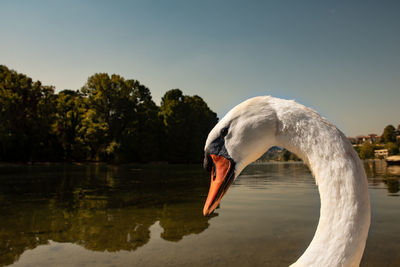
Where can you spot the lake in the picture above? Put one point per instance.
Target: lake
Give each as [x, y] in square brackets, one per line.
[151, 215]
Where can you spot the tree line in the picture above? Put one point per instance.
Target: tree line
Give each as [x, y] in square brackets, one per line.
[388, 140]
[110, 119]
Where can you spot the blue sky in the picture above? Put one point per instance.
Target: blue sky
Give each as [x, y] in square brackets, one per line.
[341, 58]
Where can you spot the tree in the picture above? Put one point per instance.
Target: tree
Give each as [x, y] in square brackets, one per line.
[110, 108]
[142, 137]
[200, 122]
[187, 121]
[174, 118]
[122, 122]
[70, 110]
[109, 119]
[111, 99]
[285, 155]
[388, 134]
[26, 116]
[392, 148]
[366, 151]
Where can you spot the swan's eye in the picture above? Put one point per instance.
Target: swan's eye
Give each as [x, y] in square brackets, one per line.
[224, 131]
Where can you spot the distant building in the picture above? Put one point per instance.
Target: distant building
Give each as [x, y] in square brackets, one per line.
[360, 139]
[381, 153]
[371, 138]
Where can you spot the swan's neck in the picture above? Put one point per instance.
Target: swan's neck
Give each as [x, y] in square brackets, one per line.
[345, 210]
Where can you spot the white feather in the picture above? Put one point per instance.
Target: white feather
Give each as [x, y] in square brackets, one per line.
[262, 122]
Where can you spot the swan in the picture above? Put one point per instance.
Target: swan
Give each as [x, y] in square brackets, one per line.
[252, 127]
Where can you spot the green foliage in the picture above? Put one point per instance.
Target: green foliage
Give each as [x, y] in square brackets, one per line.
[67, 125]
[288, 156]
[94, 134]
[109, 119]
[294, 157]
[95, 194]
[27, 110]
[392, 148]
[187, 121]
[122, 122]
[142, 134]
[388, 134]
[367, 151]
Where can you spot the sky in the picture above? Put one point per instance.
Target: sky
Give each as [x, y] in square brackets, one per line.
[342, 58]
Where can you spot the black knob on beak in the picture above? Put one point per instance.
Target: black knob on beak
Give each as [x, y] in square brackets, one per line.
[208, 162]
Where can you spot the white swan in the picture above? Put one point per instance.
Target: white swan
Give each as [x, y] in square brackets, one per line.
[252, 127]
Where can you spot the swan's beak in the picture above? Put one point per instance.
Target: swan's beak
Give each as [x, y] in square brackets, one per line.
[222, 176]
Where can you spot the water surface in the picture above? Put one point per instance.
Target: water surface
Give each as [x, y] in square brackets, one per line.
[151, 215]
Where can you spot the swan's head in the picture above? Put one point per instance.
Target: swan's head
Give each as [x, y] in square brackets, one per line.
[241, 137]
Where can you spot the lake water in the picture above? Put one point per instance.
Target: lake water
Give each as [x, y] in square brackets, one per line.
[151, 215]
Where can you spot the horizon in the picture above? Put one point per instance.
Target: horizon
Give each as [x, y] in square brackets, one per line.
[341, 59]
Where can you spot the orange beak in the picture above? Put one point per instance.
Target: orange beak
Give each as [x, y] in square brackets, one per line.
[221, 178]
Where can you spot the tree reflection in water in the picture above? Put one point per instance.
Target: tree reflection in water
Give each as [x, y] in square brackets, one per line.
[110, 208]
[392, 185]
[379, 172]
[102, 208]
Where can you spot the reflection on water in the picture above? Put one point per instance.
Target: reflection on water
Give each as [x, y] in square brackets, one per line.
[379, 168]
[379, 172]
[102, 208]
[101, 215]
[393, 170]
